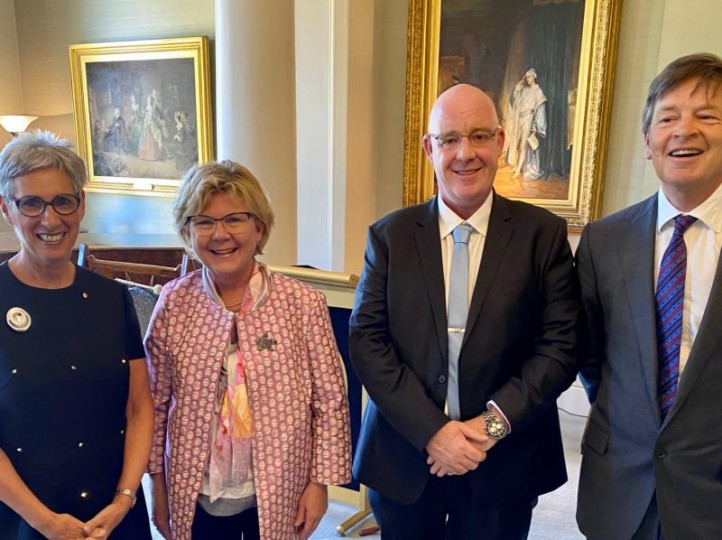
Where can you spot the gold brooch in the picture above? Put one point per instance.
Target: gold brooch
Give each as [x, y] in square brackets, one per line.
[265, 343]
[18, 319]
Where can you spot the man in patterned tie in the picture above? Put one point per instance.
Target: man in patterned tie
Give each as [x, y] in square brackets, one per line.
[463, 332]
[652, 294]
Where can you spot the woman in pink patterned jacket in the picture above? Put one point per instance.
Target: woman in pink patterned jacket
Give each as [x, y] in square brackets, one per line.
[251, 414]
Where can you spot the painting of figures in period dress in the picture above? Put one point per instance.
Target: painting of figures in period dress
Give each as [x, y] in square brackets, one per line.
[142, 112]
[143, 118]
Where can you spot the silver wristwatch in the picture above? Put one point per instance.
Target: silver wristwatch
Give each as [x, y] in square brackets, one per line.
[495, 428]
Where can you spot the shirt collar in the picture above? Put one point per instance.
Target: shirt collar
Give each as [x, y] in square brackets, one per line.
[709, 212]
[479, 220]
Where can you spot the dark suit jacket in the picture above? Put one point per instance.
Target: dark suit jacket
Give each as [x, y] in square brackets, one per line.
[518, 348]
[628, 451]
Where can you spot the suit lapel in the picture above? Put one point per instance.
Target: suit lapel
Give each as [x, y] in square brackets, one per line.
[636, 259]
[497, 240]
[705, 344]
[428, 252]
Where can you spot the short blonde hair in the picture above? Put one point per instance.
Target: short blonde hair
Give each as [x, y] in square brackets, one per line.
[201, 182]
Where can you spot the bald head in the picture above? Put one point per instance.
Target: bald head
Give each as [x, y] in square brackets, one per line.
[463, 144]
[461, 99]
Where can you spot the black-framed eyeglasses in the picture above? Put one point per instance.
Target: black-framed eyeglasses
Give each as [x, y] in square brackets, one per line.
[34, 206]
[233, 222]
[452, 139]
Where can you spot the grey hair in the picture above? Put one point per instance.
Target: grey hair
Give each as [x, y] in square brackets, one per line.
[706, 68]
[34, 150]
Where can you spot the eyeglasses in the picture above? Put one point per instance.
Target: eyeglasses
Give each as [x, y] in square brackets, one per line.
[205, 225]
[34, 206]
[478, 138]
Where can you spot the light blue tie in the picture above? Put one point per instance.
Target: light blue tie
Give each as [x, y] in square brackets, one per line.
[458, 311]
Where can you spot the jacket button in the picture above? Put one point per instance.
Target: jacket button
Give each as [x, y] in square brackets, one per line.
[660, 454]
[442, 379]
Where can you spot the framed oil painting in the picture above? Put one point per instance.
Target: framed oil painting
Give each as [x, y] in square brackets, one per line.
[142, 112]
[548, 67]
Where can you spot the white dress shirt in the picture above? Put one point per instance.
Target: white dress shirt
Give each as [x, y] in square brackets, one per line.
[703, 239]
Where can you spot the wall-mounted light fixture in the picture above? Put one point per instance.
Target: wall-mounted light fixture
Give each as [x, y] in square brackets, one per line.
[16, 123]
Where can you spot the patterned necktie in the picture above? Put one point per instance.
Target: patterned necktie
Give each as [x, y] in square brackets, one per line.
[670, 301]
[458, 311]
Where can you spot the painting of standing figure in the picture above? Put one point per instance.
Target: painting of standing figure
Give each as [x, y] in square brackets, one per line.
[546, 64]
[133, 94]
[525, 124]
[526, 54]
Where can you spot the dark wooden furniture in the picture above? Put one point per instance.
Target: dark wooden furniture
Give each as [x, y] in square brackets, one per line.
[118, 264]
[147, 249]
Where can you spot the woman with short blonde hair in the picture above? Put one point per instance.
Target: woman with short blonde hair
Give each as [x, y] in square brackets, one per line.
[251, 409]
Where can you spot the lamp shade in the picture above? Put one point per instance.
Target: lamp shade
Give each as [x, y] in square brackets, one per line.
[16, 123]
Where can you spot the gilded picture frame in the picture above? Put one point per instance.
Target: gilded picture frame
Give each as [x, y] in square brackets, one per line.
[483, 42]
[142, 112]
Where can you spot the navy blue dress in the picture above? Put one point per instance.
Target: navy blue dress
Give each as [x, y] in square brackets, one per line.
[63, 393]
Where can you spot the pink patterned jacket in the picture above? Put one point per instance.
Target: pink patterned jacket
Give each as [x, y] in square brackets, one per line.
[295, 385]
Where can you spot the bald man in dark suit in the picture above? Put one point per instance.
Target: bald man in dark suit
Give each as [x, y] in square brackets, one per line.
[460, 445]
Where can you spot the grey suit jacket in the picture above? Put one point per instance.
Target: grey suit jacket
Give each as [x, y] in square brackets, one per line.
[628, 451]
[518, 348]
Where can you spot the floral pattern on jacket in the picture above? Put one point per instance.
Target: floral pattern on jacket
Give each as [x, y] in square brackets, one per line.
[295, 384]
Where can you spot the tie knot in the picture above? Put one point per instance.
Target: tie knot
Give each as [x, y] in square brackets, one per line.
[681, 222]
[462, 233]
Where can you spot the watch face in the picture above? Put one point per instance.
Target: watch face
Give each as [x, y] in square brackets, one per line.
[496, 428]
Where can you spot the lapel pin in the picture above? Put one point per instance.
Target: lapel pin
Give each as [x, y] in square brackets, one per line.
[266, 343]
[18, 319]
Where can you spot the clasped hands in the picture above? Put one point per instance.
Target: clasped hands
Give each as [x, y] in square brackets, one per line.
[67, 527]
[458, 447]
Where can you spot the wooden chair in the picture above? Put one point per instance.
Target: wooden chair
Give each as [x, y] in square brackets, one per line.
[140, 273]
